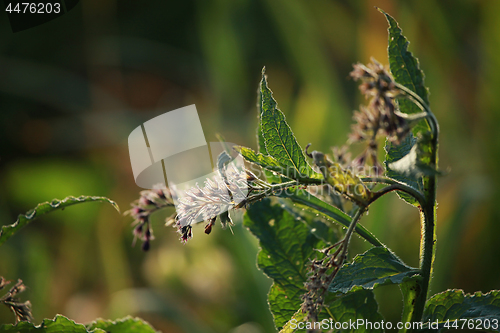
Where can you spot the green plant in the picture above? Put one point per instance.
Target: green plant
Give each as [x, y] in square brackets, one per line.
[304, 255]
[22, 310]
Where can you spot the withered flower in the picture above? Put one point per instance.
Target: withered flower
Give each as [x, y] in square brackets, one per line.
[22, 310]
[213, 200]
[321, 274]
[149, 202]
[380, 116]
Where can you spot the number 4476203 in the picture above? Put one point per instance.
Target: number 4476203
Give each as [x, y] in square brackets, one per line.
[472, 324]
[34, 8]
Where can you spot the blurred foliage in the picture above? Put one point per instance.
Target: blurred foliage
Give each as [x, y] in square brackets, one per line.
[72, 90]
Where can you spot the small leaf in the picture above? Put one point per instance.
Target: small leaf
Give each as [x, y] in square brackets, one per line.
[279, 139]
[63, 324]
[264, 161]
[406, 71]
[286, 247]
[351, 310]
[8, 231]
[261, 144]
[396, 153]
[58, 324]
[308, 200]
[454, 304]
[377, 266]
[125, 325]
[271, 177]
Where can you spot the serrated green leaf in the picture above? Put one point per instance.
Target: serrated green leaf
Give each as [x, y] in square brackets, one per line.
[286, 247]
[56, 325]
[344, 310]
[358, 305]
[279, 140]
[264, 161]
[8, 231]
[261, 144]
[306, 199]
[271, 177]
[406, 71]
[395, 153]
[62, 324]
[454, 304]
[401, 161]
[282, 306]
[328, 233]
[124, 325]
[377, 266]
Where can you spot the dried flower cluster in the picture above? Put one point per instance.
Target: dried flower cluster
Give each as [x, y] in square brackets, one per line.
[149, 202]
[227, 190]
[215, 199]
[322, 272]
[380, 117]
[22, 310]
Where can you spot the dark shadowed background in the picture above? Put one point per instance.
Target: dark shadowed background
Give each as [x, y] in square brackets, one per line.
[72, 90]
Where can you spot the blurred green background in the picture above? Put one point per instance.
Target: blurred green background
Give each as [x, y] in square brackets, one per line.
[71, 91]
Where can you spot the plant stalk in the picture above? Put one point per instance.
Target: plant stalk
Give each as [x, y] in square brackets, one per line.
[428, 211]
[428, 240]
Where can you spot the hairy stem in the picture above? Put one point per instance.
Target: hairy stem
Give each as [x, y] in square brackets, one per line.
[428, 210]
[428, 240]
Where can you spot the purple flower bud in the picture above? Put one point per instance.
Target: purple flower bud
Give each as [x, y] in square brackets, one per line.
[138, 230]
[144, 201]
[160, 193]
[137, 211]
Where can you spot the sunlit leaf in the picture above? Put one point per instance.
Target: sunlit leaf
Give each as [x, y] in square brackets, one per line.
[454, 304]
[308, 200]
[286, 246]
[58, 324]
[8, 231]
[377, 266]
[406, 71]
[264, 161]
[63, 324]
[279, 140]
[125, 325]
